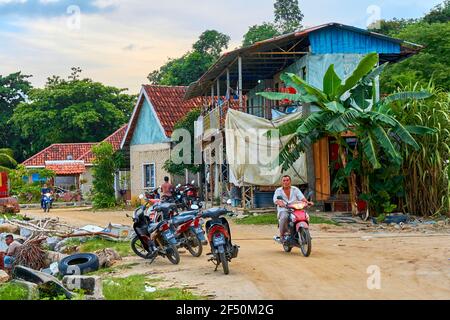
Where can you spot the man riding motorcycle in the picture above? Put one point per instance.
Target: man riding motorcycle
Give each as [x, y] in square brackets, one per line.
[290, 195]
[46, 190]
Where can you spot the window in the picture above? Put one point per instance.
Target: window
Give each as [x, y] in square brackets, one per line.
[149, 176]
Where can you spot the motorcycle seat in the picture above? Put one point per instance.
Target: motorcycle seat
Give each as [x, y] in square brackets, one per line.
[214, 212]
[154, 226]
[182, 219]
[189, 213]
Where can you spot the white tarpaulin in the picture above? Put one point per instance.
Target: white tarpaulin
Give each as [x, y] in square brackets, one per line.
[252, 155]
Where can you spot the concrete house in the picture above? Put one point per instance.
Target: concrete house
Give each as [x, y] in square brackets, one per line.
[148, 137]
[257, 68]
[73, 163]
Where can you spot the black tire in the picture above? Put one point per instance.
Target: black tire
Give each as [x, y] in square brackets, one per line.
[287, 248]
[304, 239]
[193, 244]
[138, 248]
[224, 261]
[173, 255]
[76, 264]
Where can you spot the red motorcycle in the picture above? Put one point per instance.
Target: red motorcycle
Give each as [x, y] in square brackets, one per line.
[189, 194]
[298, 226]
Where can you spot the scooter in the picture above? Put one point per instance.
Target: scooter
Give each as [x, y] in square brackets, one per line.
[153, 239]
[219, 237]
[47, 202]
[298, 226]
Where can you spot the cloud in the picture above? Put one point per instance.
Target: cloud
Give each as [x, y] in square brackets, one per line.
[53, 8]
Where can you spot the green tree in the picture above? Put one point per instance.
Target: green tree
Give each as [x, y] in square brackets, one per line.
[433, 62]
[440, 13]
[186, 123]
[288, 16]
[106, 164]
[192, 65]
[258, 33]
[211, 42]
[13, 91]
[390, 27]
[7, 161]
[377, 130]
[67, 111]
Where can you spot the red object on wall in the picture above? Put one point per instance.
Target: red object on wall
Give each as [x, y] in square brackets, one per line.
[3, 185]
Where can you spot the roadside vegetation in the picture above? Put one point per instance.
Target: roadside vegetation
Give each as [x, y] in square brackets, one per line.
[11, 291]
[95, 244]
[134, 288]
[271, 219]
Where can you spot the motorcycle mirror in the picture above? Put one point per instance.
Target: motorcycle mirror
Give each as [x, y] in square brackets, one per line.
[195, 207]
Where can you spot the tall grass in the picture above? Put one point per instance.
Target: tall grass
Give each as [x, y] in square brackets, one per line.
[426, 171]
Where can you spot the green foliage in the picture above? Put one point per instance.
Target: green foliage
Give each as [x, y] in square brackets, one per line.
[11, 291]
[439, 14]
[426, 169]
[7, 160]
[271, 219]
[390, 27]
[191, 66]
[288, 16]
[433, 62]
[211, 42]
[24, 190]
[94, 244]
[68, 111]
[258, 33]
[186, 123]
[106, 164]
[133, 288]
[13, 91]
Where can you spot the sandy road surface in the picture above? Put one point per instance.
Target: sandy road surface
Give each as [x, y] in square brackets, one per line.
[412, 266]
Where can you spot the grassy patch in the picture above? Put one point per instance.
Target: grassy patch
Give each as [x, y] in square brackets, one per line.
[271, 219]
[133, 288]
[11, 291]
[94, 244]
[11, 216]
[113, 269]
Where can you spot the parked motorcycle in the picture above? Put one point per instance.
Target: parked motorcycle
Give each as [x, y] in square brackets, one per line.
[219, 237]
[153, 239]
[47, 202]
[189, 193]
[298, 226]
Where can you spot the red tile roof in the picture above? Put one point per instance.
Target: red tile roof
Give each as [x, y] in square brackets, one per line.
[77, 151]
[58, 152]
[115, 139]
[66, 167]
[170, 105]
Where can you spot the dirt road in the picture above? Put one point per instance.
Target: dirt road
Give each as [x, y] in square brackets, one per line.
[412, 266]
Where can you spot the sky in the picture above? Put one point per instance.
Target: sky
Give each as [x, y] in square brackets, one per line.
[118, 42]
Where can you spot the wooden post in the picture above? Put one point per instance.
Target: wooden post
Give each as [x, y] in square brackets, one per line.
[228, 87]
[218, 95]
[241, 106]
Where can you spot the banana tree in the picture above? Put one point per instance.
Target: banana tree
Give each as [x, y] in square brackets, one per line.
[7, 161]
[350, 105]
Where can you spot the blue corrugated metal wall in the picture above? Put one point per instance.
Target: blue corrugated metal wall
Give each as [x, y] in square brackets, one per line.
[336, 40]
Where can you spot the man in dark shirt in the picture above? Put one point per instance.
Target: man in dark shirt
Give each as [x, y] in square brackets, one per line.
[45, 189]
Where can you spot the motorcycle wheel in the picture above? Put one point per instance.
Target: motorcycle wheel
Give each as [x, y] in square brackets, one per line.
[193, 244]
[304, 239]
[224, 261]
[138, 248]
[173, 255]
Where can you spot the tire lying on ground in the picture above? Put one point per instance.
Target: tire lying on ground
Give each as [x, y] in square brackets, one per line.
[78, 264]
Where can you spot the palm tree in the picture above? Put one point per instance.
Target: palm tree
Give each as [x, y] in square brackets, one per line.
[348, 106]
[7, 161]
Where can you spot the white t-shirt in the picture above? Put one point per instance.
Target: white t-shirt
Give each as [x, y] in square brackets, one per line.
[296, 195]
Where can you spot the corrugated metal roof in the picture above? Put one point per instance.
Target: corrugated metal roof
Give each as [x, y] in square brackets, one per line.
[264, 67]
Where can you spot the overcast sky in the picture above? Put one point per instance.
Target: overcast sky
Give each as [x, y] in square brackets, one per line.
[118, 42]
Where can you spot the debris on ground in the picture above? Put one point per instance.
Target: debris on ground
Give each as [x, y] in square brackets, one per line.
[31, 254]
[4, 277]
[107, 257]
